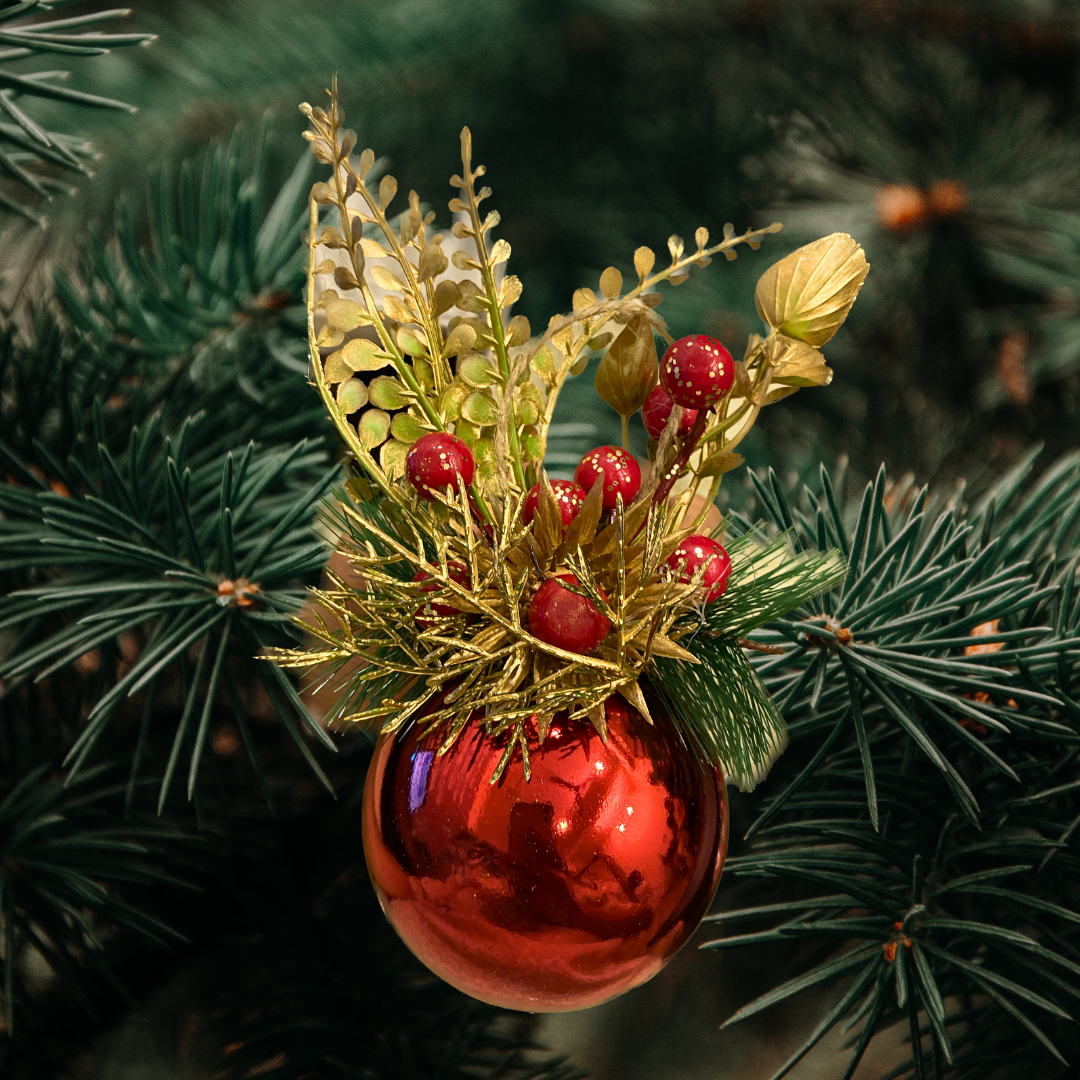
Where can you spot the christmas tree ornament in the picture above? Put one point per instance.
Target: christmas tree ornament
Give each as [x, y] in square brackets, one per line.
[657, 409]
[566, 619]
[438, 462]
[569, 496]
[705, 557]
[697, 372]
[557, 673]
[556, 891]
[616, 469]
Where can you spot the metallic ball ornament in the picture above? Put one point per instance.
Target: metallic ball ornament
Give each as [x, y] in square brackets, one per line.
[697, 371]
[434, 463]
[564, 619]
[620, 473]
[555, 893]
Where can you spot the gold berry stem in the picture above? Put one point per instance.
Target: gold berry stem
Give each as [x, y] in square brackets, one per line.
[625, 431]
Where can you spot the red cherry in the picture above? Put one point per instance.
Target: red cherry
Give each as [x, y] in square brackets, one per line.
[435, 461]
[564, 619]
[697, 372]
[657, 409]
[429, 610]
[621, 473]
[696, 551]
[569, 496]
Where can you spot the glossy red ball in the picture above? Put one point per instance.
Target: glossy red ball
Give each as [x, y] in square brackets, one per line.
[697, 551]
[657, 409]
[430, 609]
[569, 496]
[564, 619]
[435, 461]
[555, 893]
[697, 372]
[620, 472]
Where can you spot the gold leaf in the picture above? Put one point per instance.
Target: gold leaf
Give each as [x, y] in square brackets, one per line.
[584, 298]
[373, 249]
[719, 463]
[544, 366]
[472, 297]
[432, 262]
[373, 427]
[446, 296]
[387, 279]
[479, 409]
[500, 252]
[701, 237]
[664, 646]
[461, 339]
[346, 315]
[795, 363]
[386, 392]
[387, 191]
[464, 261]
[344, 278]
[367, 159]
[547, 522]
[352, 395]
[509, 291]
[675, 246]
[321, 192]
[329, 338]
[363, 355]
[779, 394]
[412, 342]
[335, 369]
[406, 428]
[453, 397]
[392, 458]
[644, 258]
[742, 380]
[518, 331]
[628, 369]
[611, 282]
[808, 294]
[632, 693]
[395, 309]
[579, 366]
[678, 279]
[424, 372]
[477, 371]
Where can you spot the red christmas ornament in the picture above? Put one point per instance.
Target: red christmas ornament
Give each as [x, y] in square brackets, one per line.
[569, 496]
[564, 619]
[555, 893]
[621, 473]
[435, 461]
[697, 551]
[657, 409]
[697, 372]
[428, 611]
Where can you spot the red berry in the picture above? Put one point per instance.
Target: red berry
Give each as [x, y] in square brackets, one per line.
[564, 619]
[568, 496]
[692, 554]
[697, 372]
[621, 473]
[435, 461]
[428, 611]
[657, 409]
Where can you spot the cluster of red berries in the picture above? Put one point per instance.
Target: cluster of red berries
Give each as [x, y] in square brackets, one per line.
[695, 373]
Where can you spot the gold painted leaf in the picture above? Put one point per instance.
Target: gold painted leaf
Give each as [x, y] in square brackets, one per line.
[461, 339]
[795, 363]
[611, 282]
[509, 291]
[387, 191]
[480, 409]
[446, 296]
[352, 395]
[544, 366]
[432, 262]
[500, 252]
[472, 297]
[719, 463]
[367, 159]
[373, 427]
[628, 369]
[424, 372]
[386, 392]
[518, 331]
[477, 371]
[335, 369]
[363, 355]
[392, 458]
[530, 403]
[346, 315]
[411, 342]
[808, 294]
[644, 259]
[373, 249]
[387, 279]
[583, 298]
[329, 337]
[395, 309]
[453, 397]
[406, 428]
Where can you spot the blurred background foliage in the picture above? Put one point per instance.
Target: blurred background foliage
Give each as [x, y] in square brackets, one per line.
[164, 299]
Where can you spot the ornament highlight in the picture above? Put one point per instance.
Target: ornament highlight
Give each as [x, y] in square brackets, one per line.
[699, 551]
[564, 619]
[620, 472]
[697, 372]
[552, 893]
[657, 409]
[435, 461]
